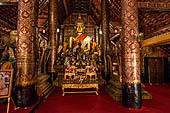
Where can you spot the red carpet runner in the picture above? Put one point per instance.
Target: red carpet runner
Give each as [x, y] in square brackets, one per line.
[90, 103]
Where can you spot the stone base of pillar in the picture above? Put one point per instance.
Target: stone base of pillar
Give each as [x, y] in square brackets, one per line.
[131, 95]
[25, 96]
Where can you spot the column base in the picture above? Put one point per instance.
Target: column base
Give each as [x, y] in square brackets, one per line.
[25, 96]
[131, 95]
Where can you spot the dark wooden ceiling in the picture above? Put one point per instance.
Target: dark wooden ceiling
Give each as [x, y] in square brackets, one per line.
[8, 14]
[154, 23]
[78, 6]
[8, 17]
[151, 22]
[166, 1]
[166, 47]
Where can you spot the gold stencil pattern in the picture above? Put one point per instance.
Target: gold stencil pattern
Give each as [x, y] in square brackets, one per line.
[26, 62]
[129, 44]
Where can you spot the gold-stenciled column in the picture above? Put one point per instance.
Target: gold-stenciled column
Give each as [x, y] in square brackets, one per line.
[26, 70]
[130, 55]
[52, 32]
[105, 33]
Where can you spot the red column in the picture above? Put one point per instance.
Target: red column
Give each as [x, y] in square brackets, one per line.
[130, 55]
[26, 54]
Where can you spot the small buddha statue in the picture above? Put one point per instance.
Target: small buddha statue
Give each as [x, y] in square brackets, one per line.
[93, 45]
[99, 54]
[5, 62]
[99, 51]
[78, 51]
[65, 46]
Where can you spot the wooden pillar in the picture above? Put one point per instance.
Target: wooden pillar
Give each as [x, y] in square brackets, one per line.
[97, 35]
[130, 55]
[26, 53]
[53, 19]
[100, 37]
[61, 35]
[105, 31]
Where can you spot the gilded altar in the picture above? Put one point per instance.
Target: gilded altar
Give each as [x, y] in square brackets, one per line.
[80, 78]
[80, 57]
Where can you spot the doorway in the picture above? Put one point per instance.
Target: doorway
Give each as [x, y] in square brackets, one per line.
[156, 70]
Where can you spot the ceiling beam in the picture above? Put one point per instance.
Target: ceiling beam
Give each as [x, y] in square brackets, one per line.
[9, 0]
[42, 16]
[157, 24]
[90, 5]
[8, 3]
[156, 40]
[161, 30]
[5, 24]
[65, 6]
[154, 6]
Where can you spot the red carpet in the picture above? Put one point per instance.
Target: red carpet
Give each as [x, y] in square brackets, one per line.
[76, 103]
[3, 108]
[90, 103]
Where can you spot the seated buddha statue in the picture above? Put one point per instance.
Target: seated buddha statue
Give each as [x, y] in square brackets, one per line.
[80, 36]
[5, 62]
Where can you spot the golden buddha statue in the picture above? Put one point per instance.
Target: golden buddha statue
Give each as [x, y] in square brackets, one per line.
[4, 60]
[100, 54]
[80, 36]
[65, 46]
[94, 45]
[99, 51]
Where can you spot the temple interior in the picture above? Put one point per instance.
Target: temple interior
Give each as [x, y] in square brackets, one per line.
[67, 49]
